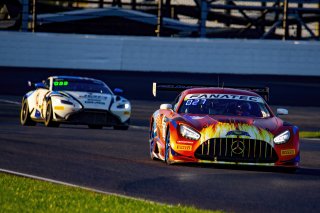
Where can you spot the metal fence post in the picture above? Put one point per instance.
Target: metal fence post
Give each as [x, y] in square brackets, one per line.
[318, 24]
[285, 19]
[203, 18]
[25, 15]
[34, 16]
[101, 2]
[160, 18]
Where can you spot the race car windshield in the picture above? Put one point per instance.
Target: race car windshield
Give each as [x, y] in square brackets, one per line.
[80, 85]
[229, 106]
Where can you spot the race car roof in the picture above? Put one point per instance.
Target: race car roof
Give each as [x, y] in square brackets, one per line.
[73, 77]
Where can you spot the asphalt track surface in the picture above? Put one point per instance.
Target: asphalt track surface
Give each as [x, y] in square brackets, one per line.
[118, 162]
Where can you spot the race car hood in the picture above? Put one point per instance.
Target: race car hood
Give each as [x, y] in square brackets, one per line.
[223, 126]
[91, 100]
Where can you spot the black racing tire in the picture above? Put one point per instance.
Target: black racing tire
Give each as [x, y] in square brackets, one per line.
[94, 126]
[48, 122]
[25, 118]
[126, 127]
[167, 149]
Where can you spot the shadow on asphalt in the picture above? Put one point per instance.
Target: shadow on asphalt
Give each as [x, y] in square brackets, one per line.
[308, 171]
[71, 126]
[283, 170]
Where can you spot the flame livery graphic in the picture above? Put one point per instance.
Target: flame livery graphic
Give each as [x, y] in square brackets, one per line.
[221, 130]
[223, 126]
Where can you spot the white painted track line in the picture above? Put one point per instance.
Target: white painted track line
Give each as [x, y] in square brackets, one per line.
[10, 102]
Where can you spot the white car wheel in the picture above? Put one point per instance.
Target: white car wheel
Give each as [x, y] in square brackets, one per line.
[49, 116]
[25, 119]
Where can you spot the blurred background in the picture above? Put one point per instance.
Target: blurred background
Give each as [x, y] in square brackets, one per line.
[133, 43]
[259, 19]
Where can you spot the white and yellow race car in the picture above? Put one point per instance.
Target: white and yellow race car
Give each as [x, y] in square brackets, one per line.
[75, 100]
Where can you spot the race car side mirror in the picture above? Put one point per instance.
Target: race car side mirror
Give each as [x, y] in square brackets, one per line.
[36, 85]
[281, 111]
[118, 90]
[165, 106]
[40, 85]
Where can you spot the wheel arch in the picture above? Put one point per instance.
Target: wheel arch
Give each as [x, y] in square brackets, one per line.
[151, 125]
[28, 99]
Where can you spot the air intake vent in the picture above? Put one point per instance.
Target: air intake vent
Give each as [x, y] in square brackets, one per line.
[236, 150]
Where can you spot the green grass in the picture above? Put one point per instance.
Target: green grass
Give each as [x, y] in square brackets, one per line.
[19, 194]
[304, 134]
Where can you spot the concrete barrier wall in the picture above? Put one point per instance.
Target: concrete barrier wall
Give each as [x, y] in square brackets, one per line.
[42, 50]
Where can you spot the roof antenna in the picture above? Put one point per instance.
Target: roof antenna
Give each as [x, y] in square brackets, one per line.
[222, 84]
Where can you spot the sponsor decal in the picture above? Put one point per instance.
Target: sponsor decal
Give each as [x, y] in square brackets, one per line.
[37, 114]
[238, 133]
[197, 117]
[184, 147]
[286, 152]
[94, 99]
[184, 142]
[59, 107]
[224, 96]
[91, 96]
[94, 102]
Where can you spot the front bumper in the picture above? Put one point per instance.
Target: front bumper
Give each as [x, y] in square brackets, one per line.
[235, 151]
[94, 117]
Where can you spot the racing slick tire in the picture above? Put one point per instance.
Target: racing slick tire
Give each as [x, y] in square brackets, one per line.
[25, 119]
[121, 127]
[48, 122]
[94, 126]
[167, 149]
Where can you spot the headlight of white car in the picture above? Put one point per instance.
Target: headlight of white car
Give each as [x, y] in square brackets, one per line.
[282, 138]
[124, 106]
[187, 132]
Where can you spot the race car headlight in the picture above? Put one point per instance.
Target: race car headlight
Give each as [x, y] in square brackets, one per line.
[187, 132]
[123, 106]
[282, 138]
[66, 102]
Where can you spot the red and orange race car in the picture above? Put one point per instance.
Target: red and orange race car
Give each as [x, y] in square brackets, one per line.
[223, 126]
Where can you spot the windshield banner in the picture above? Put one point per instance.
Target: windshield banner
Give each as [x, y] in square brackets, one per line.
[224, 96]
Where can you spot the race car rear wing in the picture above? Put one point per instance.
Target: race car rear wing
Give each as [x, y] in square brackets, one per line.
[262, 91]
